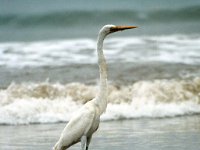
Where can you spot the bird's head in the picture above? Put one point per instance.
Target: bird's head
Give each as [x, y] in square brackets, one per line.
[107, 29]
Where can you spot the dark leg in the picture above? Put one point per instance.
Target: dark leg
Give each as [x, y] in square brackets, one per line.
[88, 142]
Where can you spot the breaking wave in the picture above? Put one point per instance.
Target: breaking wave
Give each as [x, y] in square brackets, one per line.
[54, 102]
[168, 49]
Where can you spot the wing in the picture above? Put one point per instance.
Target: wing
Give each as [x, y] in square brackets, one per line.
[78, 125]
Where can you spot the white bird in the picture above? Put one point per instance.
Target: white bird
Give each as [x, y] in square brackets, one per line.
[86, 121]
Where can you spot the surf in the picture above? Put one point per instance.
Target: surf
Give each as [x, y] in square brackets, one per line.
[31, 103]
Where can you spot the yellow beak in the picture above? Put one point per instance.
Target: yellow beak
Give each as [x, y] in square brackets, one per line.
[120, 28]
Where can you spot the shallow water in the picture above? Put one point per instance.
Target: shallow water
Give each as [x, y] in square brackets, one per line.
[179, 133]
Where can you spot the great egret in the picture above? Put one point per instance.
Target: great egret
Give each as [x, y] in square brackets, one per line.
[86, 121]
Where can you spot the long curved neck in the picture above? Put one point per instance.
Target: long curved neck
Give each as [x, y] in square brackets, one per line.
[101, 99]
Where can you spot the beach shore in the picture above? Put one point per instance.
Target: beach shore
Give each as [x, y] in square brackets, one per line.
[179, 133]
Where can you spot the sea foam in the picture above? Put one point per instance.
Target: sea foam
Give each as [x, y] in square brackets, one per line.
[167, 49]
[54, 102]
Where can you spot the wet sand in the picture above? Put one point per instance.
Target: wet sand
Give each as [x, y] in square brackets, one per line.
[179, 133]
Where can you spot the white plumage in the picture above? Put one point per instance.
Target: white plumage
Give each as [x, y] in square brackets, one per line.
[86, 121]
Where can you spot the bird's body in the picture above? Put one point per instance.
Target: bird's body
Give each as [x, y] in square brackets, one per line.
[86, 121]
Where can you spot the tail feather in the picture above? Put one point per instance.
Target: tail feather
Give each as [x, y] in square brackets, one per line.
[59, 147]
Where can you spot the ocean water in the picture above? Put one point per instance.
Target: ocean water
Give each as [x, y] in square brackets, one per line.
[48, 70]
[45, 20]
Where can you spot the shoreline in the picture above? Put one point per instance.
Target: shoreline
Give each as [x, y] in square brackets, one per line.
[142, 134]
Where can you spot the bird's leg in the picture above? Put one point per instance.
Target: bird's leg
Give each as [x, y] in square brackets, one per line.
[88, 142]
[86, 147]
[83, 142]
